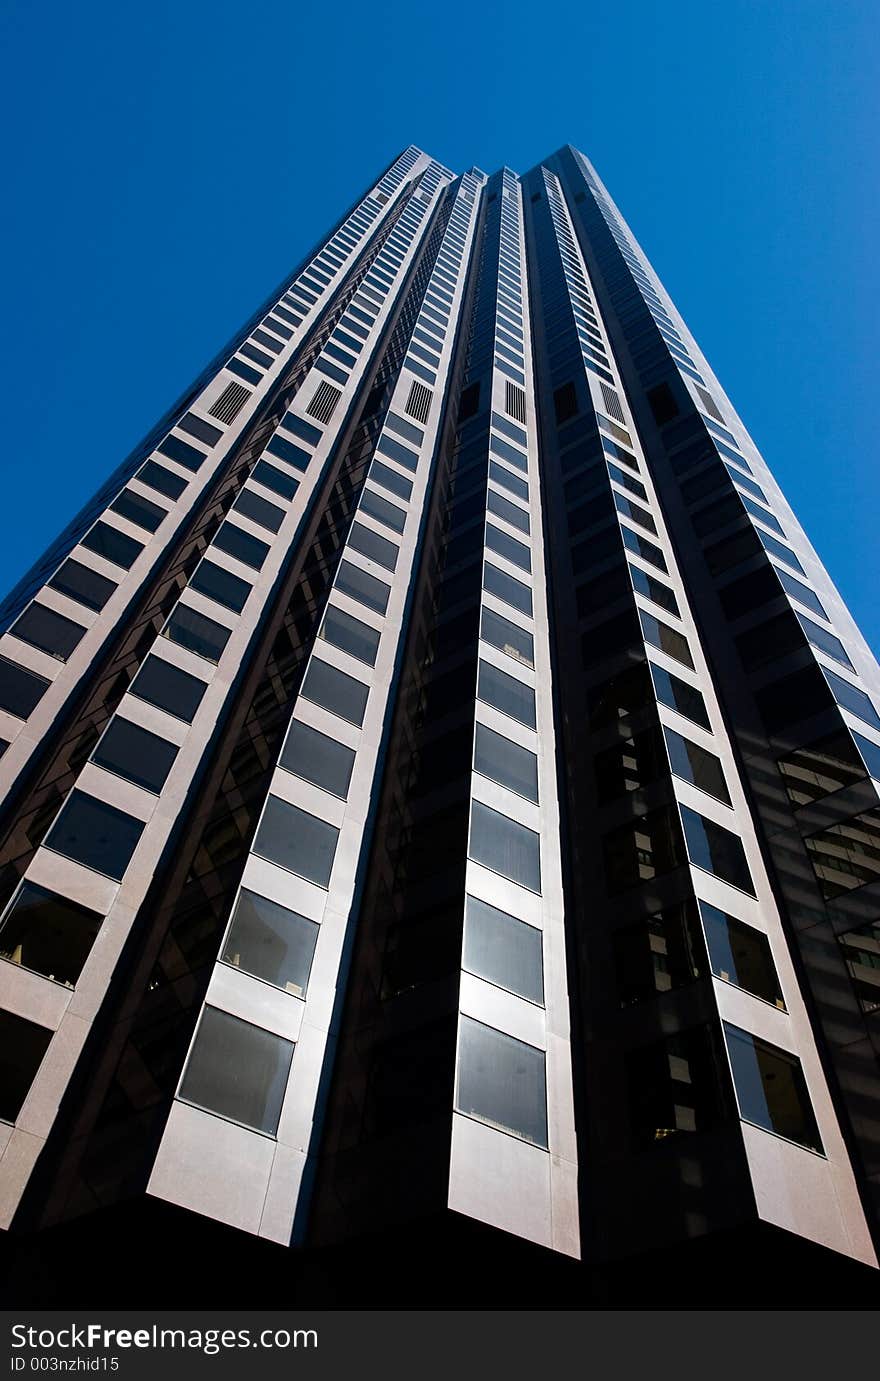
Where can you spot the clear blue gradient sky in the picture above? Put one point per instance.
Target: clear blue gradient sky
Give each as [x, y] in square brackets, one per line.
[167, 163]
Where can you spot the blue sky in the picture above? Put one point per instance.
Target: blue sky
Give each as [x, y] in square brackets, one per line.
[166, 164]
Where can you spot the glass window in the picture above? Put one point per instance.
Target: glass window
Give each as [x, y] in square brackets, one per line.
[138, 510]
[506, 762]
[798, 590]
[506, 693]
[679, 696]
[648, 551]
[188, 628]
[163, 480]
[391, 480]
[825, 641]
[366, 589]
[501, 633]
[287, 451]
[81, 583]
[716, 849]
[171, 689]
[508, 547]
[502, 1081]
[668, 640]
[502, 508]
[259, 510]
[22, 1047]
[653, 589]
[271, 942]
[95, 834]
[506, 588]
[41, 627]
[112, 544]
[319, 759]
[503, 950]
[374, 547]
[221, 585]
[861, 950]
[696, 765]
[238, 1071]
[852, 699]
[297, 841]
[846, 855]
[629, 764]
[47, 933]
[190, 457]
[505, 846]
[250, 551]
[276, 480]
[740, 954]
[771, 1089]
[336, 691]
[395, 451]
[821, 768]
[674, 1086]
[391, 514]
[501, 475]
[870, 753]
[354, 637]
[642, 849]
[662, 952]
[135, 753]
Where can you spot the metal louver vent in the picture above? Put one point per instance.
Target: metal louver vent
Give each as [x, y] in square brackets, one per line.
[709, 404]
[516, 402]
[612, 403]
[418, 404]
[324, 402]
[230, 403]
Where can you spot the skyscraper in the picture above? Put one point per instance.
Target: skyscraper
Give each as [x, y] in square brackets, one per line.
[439, 833]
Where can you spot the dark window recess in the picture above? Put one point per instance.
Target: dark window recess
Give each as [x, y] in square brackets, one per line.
[273, 478]
[188, 628]
[22, 1047]
[694, 764]
[48, 934]
[164, 481]
[250, 551]
[861, 951]
[112, 544]
[238, 1071]
[190, 457]
[716, 849]
[821, 768]
[95, 834]
[336, 691]
[260, 511]
[41, 627]
[82, 584]
[659, 954]
[271, 942]
[565, 403]
[740, 954]
[629, 765]
[771, 1089]
[135, 753]
[846, 855]
[768, 641]
[318, 759]
[750, 592]
[621, 696]
[642, 849]
[675, 1087]
[138, 510]
[297, 841]
[169, 688]
[662, 403]
[221, 585]
[363, 587]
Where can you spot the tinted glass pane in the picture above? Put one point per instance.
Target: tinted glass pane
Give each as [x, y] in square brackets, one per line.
[503, 634]
[506, 693]
[653, 589]
[238, 1070]
[168, 687]
[259, 510]
[678, 695]
[135, 753]
[240, 544]
[505, 846]
[851, 698]
[870, 754]
[502, 508]
[740, 954]
[95, 834]
[696, 765]
[51, 632]
[163, 480]
[47, 933]
[81, 583]
[846, 855]
[271, 942]
[198, 427]
[669, 640]
[825, 641]
[501, 475]
[138, 510]
[20, 690]
[295, 840]
[819, 769]
[220, 585]
[365, 588]
[402, 454]
[286, 450]
[508, 547]
[353, 636]
[190, 457]
[503, 950]
[319, 759]
[506, 762]
[391, 514]
[391, 480]
[275, 479]
[112, 545]
[371, 545]
[502, 1081]
[336, 691]
[716, 849]
[861, 951]
[22, 1047]
[770, 1088]
[188, 628]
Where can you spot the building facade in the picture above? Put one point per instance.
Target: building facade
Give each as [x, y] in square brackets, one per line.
[440, 804]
